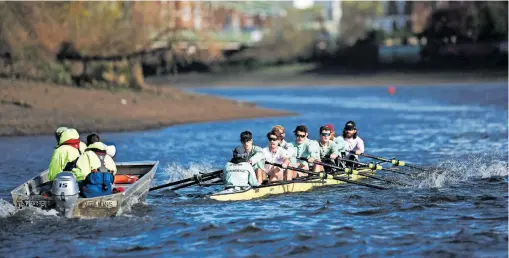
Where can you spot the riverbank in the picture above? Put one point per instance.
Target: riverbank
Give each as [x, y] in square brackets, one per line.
[31, 108]
[309, 75]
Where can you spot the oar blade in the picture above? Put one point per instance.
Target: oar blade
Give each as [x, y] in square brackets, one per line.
[395, 162]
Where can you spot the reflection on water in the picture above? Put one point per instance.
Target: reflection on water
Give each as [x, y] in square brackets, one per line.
[460, 208]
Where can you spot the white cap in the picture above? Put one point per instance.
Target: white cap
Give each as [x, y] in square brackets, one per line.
[111, 150]
[60, 130]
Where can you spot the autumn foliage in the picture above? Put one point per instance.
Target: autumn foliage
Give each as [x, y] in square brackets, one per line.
[33, 32]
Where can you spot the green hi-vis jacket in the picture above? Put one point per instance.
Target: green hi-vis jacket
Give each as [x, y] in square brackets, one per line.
[308, 149]
[327, 149]
[241, 174]
[89, 161]
[63, 154]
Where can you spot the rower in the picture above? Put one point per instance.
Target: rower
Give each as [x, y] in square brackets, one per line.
[340, 143]
[254, 154]
[278, 155]
[329, 150]
[353, 142]
[304, 148]
[284, 144]
[238, 172]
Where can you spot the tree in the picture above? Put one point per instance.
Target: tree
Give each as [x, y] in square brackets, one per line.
[353, 24]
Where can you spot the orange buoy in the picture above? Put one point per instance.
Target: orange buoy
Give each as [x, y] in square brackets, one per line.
[125, 179]
[391, 90]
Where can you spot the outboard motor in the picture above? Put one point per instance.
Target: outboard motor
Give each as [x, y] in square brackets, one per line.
[65, 192]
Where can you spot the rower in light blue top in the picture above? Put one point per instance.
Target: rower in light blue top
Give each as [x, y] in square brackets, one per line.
[304, 148]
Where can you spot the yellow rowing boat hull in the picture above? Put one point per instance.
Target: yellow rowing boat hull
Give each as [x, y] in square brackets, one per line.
[258, 192]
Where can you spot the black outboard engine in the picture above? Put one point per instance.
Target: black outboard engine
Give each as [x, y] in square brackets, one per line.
[65, 192]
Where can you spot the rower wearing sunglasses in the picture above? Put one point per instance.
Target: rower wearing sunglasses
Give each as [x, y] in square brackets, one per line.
[353, 142]
[304, 148]
[275, 154]
[329, 150]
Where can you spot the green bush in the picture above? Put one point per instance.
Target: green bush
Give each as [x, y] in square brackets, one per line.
[58, 73]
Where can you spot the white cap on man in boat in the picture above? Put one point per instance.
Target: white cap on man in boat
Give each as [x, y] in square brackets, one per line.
[59, 132]
[111, 150]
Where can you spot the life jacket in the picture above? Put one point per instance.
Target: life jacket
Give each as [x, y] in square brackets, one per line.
[100, 180]
[75, 143]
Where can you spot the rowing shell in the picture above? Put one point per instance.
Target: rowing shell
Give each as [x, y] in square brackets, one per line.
[257, 192]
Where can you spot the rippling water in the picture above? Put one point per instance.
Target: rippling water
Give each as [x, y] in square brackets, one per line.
[461, 209]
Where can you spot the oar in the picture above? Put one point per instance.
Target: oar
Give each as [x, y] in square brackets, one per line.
[192, 183]
[293, 168]
[374, 166]
[361, 173]
[359, 183]
[370, 165]
[215, 174]
[394, 162]
[336, 178]
[219, 181]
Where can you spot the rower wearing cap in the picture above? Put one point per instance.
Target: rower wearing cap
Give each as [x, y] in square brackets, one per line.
[340, 143]
[304, 148]
[254, 154]
[353, 142]
[238, 172]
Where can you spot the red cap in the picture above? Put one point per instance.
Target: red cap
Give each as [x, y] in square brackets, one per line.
[331, 127]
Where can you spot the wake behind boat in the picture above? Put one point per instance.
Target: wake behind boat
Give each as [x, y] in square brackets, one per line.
[34, 193]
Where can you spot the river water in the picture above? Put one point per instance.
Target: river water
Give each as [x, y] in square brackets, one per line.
[460, 209]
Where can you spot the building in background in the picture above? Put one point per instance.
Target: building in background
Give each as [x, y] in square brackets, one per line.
[240, 21]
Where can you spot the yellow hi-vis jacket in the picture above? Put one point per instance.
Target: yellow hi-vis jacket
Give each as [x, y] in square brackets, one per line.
[89, 161]
[63, 154]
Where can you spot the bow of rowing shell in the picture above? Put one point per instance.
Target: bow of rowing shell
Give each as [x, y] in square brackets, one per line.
[290, 187]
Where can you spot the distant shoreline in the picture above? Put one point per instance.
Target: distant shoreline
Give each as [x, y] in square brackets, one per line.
[35, 108]
[304, 76]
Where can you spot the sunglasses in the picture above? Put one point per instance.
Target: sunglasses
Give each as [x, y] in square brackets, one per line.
[325, 134]
[300, 135]
[272, 139]
[244, 140]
